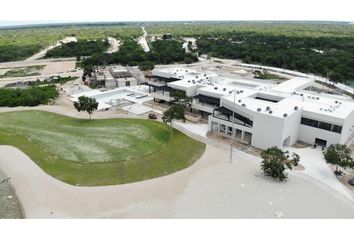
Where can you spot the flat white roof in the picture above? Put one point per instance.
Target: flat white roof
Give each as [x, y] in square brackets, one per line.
[289, 94]
[294, 84]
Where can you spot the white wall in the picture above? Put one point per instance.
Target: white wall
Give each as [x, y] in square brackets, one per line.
[267, 131]
[348, 128]
[308, 134]
[291, 126]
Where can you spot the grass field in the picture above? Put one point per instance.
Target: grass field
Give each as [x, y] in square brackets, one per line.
[21, 71]
[98, 152]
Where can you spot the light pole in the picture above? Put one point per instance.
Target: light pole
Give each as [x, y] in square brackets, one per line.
[233, 132]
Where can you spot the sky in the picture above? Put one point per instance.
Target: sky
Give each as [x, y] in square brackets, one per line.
[50, 11]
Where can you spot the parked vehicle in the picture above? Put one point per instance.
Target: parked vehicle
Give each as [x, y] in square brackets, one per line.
[351, 181]
[152, 116]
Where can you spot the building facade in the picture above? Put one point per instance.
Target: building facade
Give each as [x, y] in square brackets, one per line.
[261, 114]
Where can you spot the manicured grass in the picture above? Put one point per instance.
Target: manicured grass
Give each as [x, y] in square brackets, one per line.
[98, 152]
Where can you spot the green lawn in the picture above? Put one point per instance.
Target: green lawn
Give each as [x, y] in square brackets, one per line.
[98, 152]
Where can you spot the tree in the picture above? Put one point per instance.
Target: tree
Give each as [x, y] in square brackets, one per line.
[275, 162]
[146, 66]
[339, 155]
[179, 103]
[86, 104]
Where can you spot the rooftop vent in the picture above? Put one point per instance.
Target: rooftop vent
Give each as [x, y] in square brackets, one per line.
[296, 108]
[243, 105]
[318, 98]
[285, 115]
[230, 92]
[189, 81]
[336, 102]
[241, 91]
[268, 108]
[224, 89]
[301, 94]
[216, 88]
[259, 109]
[270, 112]
[239, 100]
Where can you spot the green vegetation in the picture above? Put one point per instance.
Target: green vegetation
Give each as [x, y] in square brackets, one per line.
[264, 74]
[131, 53]
[50, 81]
[179, 103]
[275, 162]
[146, 66]
[86, 104]
[323, 48]
[32, 96]
[79, 49]
[339, 155]
[98, 152]
[299, 53]
[300, 29]
[20, 43]
[21, 71]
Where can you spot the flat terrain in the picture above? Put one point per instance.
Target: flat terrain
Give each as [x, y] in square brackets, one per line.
[98, 152]
[211, 188]
[21, 71]
[10, 206]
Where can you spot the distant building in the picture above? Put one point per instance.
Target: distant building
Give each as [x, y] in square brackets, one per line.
[113, 77]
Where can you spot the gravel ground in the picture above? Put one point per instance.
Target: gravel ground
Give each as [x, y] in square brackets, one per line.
[10, 206]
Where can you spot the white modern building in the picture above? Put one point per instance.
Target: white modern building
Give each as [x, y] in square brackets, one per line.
[260, 113]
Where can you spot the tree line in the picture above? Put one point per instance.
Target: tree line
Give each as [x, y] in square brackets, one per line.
[31, 96]
[79, 49]
[331, 57]
[131, 53]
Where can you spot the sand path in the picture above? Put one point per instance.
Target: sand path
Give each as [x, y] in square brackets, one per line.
[211, 188]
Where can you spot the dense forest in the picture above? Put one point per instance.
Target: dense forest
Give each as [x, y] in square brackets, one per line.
[32, 96]
[131, 53]
[12, 52]
[323, 48]
[331, 57]
[21, 43]
[79, 49]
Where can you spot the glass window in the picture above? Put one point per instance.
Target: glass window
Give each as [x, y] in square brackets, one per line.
[325, 126]
[309, 122]
[337, 129]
